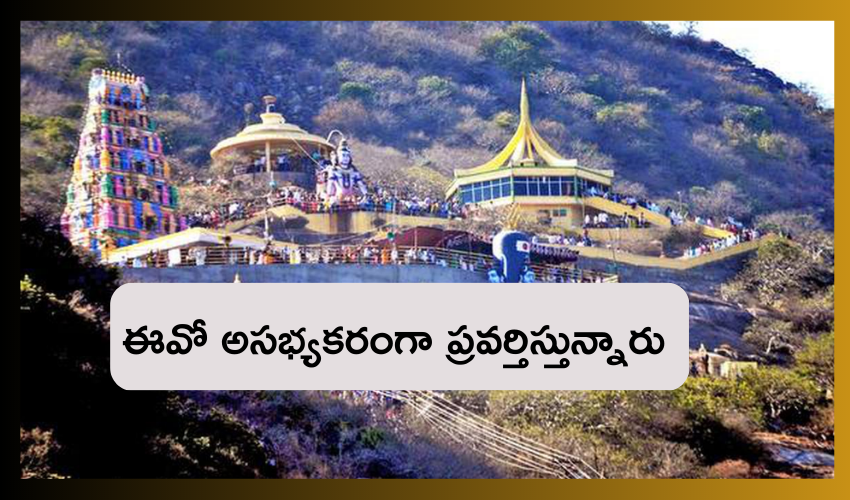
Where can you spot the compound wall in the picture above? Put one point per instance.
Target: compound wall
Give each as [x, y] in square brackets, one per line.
[304, 273]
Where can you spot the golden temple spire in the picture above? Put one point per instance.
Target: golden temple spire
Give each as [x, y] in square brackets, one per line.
[524, 115]
[526, 147]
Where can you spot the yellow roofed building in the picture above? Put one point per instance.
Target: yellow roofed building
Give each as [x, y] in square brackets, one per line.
[531, 175]
[275, 148]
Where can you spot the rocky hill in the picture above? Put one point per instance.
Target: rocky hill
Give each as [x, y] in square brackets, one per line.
[673, 115]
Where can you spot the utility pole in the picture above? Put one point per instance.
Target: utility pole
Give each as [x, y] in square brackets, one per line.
[269, 101]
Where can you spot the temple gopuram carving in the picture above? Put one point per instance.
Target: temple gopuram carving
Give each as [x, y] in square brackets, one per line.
[120, 192]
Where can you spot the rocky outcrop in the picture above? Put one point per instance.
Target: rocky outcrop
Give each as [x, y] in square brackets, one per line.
[713, 321]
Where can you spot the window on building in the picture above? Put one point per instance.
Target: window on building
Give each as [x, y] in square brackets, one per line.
[150, 223]
[555, 186]
[544, 186]
[520, 186]
[506, 187]
[533, 186]
[466, 194]
[486, 191]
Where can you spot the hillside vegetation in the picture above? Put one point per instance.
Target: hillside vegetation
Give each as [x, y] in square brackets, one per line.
[75, 422]
[687, 119]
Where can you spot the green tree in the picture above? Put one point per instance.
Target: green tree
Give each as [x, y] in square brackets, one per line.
[781, 270]
[710, 398]
[816, 360]
[754, 117]
[784, 395]
[805, 229]
[104, 431]
[520, 49]
[362, 92]
[723, 199]
[434, 88]
[624, 115]
[772, 335]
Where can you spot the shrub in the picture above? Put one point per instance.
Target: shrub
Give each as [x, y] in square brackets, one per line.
[48, 129]
[357, 91]
[381, 79]
[653, 95]
[602, 86]
[624, 115]
[774, 145]
[348, 115]
[784, 395]
[724, 199]
[371, 437]
[505, 120]
[659, 30]
[88, 63]
[583, 101]
[433, 87]
[84, 55]
[708, 398]
[805, 229]
[779, 270]
[29, 122]
[556, 83]
[38, 451]
[629, 188]
[719, 416]
[520, 49]
[754, 117]
[57, 128]
[816, 361]
[772, 335]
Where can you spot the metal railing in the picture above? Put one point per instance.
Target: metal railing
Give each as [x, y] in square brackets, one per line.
[364, 255]
[318, 207]
[394, 207]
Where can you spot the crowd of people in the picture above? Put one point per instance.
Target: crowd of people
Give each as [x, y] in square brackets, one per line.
[604, 221]
[625, 199]
[383, 201]
[548, 265]
[340, 188]
[738, 235]
[676, 217]
[282, 163]
[562, 241]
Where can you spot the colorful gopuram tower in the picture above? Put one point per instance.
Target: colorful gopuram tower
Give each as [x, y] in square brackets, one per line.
[120, 192]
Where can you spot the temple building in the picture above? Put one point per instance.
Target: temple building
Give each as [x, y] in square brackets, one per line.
[531, 175]
[282, 151]
[120, 192]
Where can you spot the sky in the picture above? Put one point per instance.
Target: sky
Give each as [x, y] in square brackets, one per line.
[797, 51]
